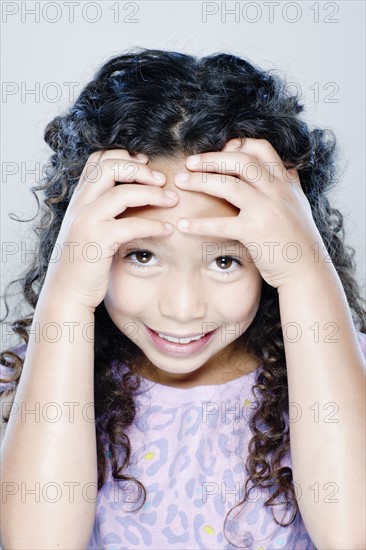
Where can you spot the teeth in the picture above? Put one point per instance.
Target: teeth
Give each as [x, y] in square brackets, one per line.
[180, 340]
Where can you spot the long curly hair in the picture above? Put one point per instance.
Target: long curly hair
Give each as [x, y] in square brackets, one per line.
[168, 104]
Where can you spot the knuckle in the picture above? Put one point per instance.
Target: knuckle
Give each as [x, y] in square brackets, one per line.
[116, 154]
[109, 164]
[236, 143]
[263, 142]
[91, 172]
[130, 170]
[265, 146]
[96, 156]
[222, 227]
[105, 162]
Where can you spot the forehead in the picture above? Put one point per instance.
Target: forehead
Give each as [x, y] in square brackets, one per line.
[193, 204]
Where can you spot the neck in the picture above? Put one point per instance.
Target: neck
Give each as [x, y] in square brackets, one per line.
[222, 368]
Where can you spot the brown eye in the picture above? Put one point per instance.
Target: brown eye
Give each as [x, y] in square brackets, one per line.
[227, 265]
[224, 262]
[143, 256]
[140, 258]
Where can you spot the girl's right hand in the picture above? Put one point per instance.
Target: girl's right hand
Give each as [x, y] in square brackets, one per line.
[90, 235]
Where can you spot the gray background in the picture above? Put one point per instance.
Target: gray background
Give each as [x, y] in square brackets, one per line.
[319, 46]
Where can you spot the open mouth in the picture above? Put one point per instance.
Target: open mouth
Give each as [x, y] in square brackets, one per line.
[180, 340]
[180, 346]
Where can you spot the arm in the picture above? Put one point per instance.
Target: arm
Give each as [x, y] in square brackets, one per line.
[36, 450]
[319, 373]
[273, 208]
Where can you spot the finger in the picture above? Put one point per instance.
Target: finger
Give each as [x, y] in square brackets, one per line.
[111, 171]
[128, 229]
[92, 166]
[232, 189]
[227, 227]
[141, 157]
[233, 144]
[118, 199]
[266, 154]
[95, 158]
[240, 165]
[260, 158]
[236, 145]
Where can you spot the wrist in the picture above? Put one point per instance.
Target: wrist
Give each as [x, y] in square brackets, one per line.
[52, 299]
[315, 277]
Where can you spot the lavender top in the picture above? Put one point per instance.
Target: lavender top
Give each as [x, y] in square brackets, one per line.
[189, 448]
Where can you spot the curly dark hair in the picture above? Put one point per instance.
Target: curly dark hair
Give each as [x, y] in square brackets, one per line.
[168, 104]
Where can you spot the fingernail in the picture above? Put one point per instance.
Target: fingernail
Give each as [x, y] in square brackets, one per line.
[192, 161]
[168, 226]
[158, 176]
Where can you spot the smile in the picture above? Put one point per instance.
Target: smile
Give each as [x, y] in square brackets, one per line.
[175, 345]
[180, 340]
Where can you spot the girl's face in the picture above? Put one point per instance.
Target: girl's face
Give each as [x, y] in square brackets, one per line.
[183, 285]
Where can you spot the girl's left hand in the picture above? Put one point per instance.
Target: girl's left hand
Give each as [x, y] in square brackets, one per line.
[274, 222]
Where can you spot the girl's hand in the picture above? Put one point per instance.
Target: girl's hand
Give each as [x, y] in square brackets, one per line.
[90, 234]
[274, 222]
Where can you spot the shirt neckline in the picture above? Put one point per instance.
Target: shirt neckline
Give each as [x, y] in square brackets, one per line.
[175, 395]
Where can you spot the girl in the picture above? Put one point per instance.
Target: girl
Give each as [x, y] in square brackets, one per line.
[189, 385]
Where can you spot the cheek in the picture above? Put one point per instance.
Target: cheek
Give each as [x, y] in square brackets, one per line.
[124, 295]
[240, 301]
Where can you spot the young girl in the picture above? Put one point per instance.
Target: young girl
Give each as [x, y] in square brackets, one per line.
[186, 386]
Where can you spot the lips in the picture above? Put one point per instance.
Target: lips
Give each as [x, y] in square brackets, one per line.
[178, 348]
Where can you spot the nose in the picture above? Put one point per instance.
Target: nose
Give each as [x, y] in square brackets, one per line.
[182, 298]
